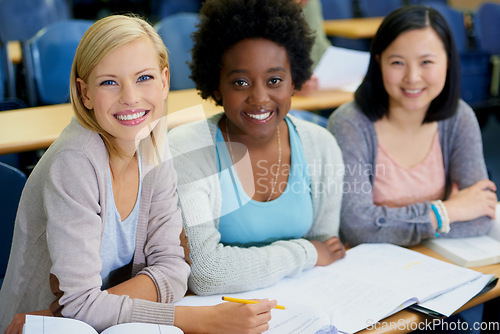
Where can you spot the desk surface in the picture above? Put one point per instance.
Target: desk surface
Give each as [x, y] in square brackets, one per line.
[323, 99]
[396, 323]
[36, 128]
[362, 27]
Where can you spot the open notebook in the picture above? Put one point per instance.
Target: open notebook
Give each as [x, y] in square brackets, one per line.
[36, 324]
[372, 282]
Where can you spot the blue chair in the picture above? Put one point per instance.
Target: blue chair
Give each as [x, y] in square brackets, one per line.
[19, 21]
[163, 8]
[474, 64]
[176, 30]
[309, 116]
[2, 87]
[455, 20]
[22, 19]
[337, 9]
[374, 8]
[12, 181]
[424, 2]
[8, 98]
[5, 84]
[487, 26]
[343, 9]
[48, 57]
[8, 101]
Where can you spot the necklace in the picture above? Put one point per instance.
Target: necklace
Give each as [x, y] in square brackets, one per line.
[273, 184]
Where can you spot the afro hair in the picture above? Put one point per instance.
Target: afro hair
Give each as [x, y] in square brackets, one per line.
[224, 23]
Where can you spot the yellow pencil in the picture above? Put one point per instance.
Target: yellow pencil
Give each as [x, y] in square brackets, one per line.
[247, 301]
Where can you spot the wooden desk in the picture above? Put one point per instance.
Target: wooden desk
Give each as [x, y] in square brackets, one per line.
[323, 99]
[15, 54]
[469, 5]
[405, 318]
[363, 27]
[36, 128]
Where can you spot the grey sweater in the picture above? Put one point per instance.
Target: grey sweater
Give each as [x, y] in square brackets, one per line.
[217, 268]
[362, 220]
[58, 235]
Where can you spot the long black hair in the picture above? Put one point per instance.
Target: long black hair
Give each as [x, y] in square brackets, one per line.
[371, 95]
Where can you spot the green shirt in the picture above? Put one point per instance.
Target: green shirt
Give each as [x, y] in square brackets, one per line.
[313, 14]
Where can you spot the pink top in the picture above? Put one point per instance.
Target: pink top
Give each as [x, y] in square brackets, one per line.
[398, 186]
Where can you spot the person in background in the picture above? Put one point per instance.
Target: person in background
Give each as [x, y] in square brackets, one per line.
[259, 190]
[412, 148]
[98, 230]
[340, 67]
[321, 42]
[313, 15]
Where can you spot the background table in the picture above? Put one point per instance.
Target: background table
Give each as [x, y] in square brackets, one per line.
[363, 27]
[36, 128]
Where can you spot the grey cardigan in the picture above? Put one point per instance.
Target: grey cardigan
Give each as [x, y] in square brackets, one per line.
[58, 234]
[362, 220]
[223, 269]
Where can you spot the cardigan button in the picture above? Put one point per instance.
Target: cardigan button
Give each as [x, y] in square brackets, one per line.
[381, 220]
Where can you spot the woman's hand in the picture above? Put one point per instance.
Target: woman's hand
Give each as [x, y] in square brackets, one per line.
[472, 202]
[329, 251]
[16, 325]
[225, 318]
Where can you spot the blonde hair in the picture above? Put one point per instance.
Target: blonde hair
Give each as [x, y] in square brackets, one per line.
[99, 40]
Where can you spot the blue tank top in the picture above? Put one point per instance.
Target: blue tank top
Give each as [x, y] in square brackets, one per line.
[118, 242]
[245, 222]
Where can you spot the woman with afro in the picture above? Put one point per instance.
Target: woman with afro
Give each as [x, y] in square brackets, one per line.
[260, 190]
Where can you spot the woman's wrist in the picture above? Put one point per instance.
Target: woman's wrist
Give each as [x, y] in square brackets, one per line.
[433, 220]
[449, 211]
[193, 319]
[442, 217]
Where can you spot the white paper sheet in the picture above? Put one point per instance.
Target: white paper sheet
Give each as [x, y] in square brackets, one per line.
[449, 302]
[341, 68]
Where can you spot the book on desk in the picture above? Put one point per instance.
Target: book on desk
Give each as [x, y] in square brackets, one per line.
[473, 251]
[372, 282]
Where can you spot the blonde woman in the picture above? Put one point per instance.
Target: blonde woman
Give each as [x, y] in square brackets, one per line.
[97, 235]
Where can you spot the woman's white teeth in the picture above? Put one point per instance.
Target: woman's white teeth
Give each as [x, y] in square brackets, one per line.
[412, 91]
[130, 117]
[260, 117]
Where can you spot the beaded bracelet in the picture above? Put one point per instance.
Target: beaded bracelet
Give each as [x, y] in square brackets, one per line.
[446, 220]
[438, 218]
